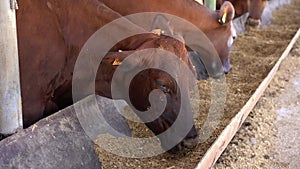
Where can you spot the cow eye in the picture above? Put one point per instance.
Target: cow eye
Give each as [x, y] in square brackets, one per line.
[163, 87]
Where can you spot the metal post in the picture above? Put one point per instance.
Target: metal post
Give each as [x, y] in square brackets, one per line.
[10, 97]
[211, 4]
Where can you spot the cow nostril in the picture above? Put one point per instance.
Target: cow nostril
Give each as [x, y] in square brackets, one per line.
[227, 71]
[227, 68]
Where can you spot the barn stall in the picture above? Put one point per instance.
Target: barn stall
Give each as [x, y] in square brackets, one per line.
[247, 74]
[254, 55]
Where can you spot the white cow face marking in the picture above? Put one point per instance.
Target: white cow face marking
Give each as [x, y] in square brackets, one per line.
[233, 36]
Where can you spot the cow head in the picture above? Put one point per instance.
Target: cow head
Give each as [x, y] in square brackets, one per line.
[256, 8]
[210, 40]
[146, 90]
[168, 93]
[222, 36]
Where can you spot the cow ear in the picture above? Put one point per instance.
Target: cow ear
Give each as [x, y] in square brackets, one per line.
[226, 13]
[162, 24]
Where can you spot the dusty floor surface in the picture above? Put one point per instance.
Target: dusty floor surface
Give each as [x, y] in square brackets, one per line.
[254, 54]
[287, 143]
[270, 136]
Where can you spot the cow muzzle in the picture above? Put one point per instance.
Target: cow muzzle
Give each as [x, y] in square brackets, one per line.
[227, 66]
[253, 22]
[187, 144]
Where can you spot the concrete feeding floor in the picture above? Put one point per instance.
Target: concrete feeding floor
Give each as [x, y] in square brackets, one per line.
[287, 143]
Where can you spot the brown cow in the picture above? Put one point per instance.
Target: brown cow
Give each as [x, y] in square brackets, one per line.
[51, 34]
[209, 22]
[254, 7]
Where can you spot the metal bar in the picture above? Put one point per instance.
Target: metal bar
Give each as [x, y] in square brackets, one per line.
[211, 4]
[214, 152]
[10, 95]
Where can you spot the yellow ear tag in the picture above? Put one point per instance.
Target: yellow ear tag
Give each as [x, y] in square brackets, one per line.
[117, 62]
[157, 31]
[200, 2]
[224, 17]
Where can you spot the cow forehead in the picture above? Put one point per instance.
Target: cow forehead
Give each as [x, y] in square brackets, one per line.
[233, 31]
